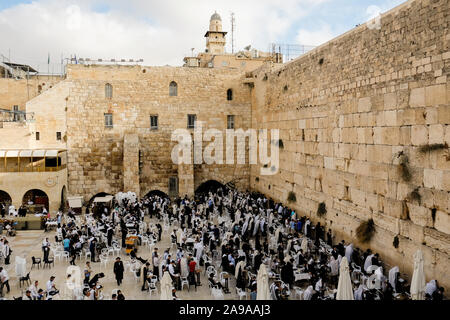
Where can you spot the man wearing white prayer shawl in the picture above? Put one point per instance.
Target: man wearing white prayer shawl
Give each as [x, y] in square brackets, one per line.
[199, 250]
[431, 287]
[359, 292]
[393, 274]
[368, 262]
[349, 252]
[307, 295]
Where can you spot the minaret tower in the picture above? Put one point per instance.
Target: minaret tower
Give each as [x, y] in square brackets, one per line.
[215, 37]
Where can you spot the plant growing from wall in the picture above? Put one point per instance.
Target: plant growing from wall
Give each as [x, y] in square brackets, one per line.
[396, 242]
[433, 147]
[415, 195]
[257, 179]
[322, 209]
[365, 231]
[292, 197]
[403, 166]
[280, 144]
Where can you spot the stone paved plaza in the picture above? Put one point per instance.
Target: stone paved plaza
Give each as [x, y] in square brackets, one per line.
[28, 243]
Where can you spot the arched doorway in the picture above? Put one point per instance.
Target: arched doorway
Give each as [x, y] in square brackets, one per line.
[35, 197]
[98, 208]
[210, 186]
[5, 198]
[157, 193]
[63, 205]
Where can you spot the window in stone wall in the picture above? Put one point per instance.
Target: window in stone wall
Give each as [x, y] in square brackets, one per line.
[192, 118]
[173, 89]
[108, 91]
[154, 122]
[58, 136]
[230, 94]
[38, 136]
[108, 120]
[230, 122]
[173, 186]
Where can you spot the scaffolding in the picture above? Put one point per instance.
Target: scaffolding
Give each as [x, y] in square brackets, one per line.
[290, 51]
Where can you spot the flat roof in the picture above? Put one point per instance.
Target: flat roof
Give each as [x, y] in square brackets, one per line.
[27, 153]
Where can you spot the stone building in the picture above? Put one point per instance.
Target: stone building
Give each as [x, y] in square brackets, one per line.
[363, 119]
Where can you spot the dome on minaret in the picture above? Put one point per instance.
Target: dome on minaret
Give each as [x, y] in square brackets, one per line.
[216, 16]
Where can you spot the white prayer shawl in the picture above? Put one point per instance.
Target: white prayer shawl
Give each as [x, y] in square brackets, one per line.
[240, 265]
[179, 235]
[255, 229]
[392, 277]
[318, 285]
[277, 234]
[368, 262]
[431, 287]
[244, 228]
[334, 265]
[349, 252]
[379, 273]
[199, 247]
[307, 223]
[359, 292]
[308, 293]
[304, 245]
[261, 224]
[289, 245]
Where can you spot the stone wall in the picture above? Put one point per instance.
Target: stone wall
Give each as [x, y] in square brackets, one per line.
[96, 153]
[347, 112]
[18, 92]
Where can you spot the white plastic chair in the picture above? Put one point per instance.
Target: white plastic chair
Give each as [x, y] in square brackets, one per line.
[241, 293]
[65, 255]
[103, 260]
[184, 281]
[152, 288]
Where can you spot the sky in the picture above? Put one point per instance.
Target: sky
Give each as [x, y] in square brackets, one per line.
[163, 32]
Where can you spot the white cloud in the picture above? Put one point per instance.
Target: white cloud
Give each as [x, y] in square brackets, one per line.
[160, 32]
[316, 37]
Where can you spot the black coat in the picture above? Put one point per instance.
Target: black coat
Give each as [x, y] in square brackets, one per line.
[118, 270]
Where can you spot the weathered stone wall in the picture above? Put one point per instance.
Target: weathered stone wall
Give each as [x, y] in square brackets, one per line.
[96, 152]
[345, 111]
[18, 92]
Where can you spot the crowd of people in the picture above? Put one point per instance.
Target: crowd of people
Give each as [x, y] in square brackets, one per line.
[226, 234]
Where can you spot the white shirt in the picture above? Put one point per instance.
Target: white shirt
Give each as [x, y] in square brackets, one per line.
[172, 270]
[49, 286]
[4, 275]
[34, 291]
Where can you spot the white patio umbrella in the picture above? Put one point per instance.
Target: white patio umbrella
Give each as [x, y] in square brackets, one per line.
[166, 287]
[418, 279]
[344, 290]
[262, 284]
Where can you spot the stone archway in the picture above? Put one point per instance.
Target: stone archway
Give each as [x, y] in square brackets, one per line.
[157, 193]
[37, 196]
[5, 198]
[210, 185]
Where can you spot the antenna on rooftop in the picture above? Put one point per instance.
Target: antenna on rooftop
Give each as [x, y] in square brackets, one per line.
[233, 27]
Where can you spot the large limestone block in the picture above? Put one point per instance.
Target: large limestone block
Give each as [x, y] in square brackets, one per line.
[435, 95]
[442, 222]
[420, 215]
[417, 97]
